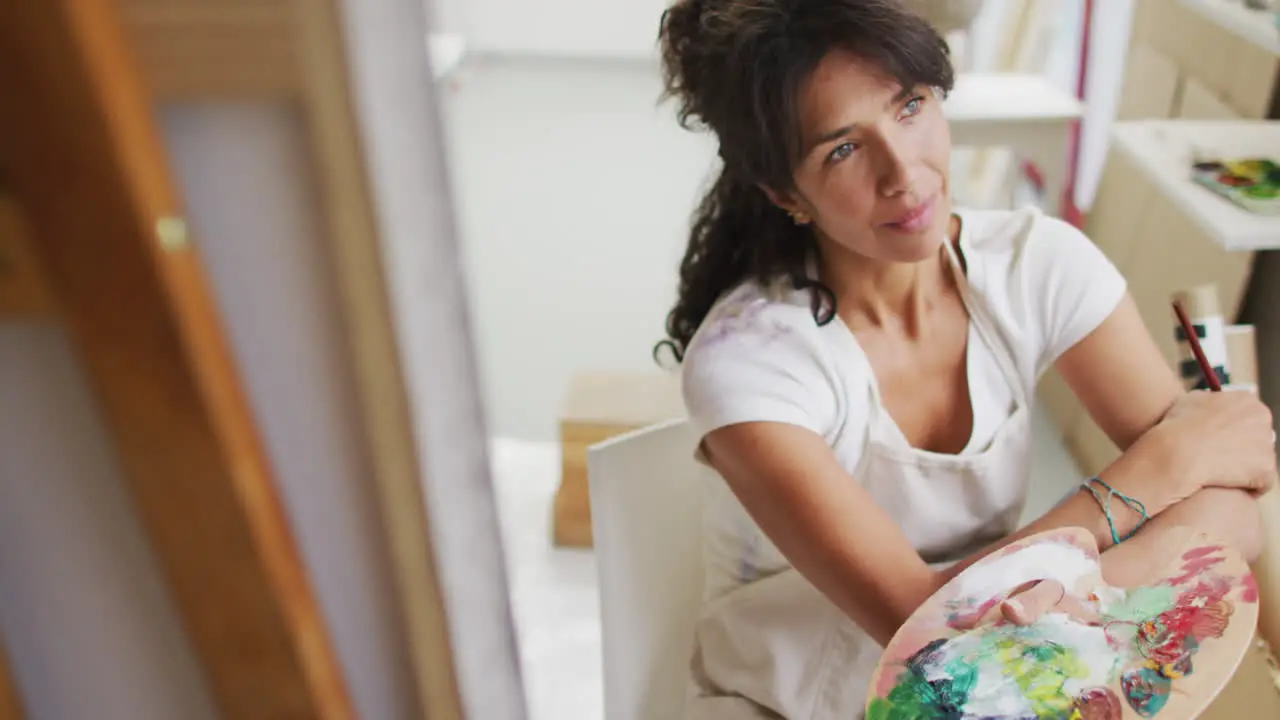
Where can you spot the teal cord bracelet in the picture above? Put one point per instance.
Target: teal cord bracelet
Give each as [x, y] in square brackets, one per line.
[1105, 505]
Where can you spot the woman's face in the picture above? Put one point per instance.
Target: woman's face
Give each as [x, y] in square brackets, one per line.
[873, 170]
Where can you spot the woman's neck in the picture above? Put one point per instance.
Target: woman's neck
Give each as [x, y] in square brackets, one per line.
[877, 294]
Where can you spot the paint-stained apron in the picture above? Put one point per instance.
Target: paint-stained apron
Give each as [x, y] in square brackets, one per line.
[778, 648]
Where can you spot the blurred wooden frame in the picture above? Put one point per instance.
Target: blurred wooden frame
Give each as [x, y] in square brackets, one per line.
[232, 50]
[82, 157]
[24, 292]
[10, 703]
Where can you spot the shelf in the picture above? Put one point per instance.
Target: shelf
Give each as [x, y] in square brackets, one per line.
[1255, 26]
[1009, 97]
[1165, 149]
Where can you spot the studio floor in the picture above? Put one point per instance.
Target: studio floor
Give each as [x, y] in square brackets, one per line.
[554, 592]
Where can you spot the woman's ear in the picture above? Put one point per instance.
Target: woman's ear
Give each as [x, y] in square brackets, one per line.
[788, 204]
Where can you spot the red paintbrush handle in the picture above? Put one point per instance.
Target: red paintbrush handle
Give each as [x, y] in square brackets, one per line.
[1189, 330]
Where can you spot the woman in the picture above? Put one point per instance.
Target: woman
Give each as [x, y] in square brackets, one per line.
[860, 359]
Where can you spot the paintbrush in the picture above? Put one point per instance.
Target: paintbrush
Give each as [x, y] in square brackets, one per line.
[1210, 377]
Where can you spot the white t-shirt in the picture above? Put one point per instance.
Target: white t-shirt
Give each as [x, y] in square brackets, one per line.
[761, 356]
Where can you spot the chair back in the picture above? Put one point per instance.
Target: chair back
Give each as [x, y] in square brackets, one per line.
[646, 493]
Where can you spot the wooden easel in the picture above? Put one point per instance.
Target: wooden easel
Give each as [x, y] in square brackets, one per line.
[10, 705]
[80, 80]
[77, 132]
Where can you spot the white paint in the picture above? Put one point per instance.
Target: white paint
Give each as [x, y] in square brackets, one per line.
[1046, 560]
[1091, 644]
[996, 694]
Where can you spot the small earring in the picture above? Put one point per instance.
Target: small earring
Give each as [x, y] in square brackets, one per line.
[799, 218]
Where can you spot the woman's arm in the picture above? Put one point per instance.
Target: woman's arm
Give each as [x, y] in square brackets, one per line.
[826, 524]
[1152, 468]
[835, 534]
[1128, 389]
[1120, 376]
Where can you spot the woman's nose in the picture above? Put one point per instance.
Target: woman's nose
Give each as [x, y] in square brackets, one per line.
[895, 173]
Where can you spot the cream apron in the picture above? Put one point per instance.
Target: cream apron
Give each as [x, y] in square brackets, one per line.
[777, 647]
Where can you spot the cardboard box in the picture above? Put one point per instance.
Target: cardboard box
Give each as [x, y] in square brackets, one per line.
[600, 406]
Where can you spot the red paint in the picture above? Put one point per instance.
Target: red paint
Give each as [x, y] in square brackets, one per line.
[1250, 592]
[1173, 636]
[1100, 703]
[1196, 562]
[1200, 552]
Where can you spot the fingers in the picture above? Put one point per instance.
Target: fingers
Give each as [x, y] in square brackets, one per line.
[1265, 483]
[1027, 607]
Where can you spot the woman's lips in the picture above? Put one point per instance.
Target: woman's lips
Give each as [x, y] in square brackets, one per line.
[917, 218]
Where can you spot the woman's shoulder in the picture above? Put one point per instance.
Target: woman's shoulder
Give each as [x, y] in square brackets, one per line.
[761, 355]
[756, 317]
[1011, 232]
[1043, 275]
[1026, 244]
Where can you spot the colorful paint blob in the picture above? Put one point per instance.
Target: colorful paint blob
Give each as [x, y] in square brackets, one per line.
[1128, 654]
[1252, 183]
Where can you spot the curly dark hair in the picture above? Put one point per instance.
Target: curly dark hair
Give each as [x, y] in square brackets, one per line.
[736, 67]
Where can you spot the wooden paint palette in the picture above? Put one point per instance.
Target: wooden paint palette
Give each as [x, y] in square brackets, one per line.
[1161, 650]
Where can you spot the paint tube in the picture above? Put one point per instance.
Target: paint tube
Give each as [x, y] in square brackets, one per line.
[1201, 305]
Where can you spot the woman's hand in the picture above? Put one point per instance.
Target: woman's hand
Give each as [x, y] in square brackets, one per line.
[1220, 439]
[1028, 602]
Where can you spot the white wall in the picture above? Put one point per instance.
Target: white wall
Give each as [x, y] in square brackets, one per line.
[90, 629]
[599, 28]
[573, 191]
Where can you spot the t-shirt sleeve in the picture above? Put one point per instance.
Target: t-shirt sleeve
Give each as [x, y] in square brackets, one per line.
[1071, 285]
[760, 363]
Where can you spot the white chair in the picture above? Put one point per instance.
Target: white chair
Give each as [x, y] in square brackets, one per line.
[646, 492]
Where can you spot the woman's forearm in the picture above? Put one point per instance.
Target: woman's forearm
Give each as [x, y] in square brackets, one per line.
[1078, 510]
[1148, 473]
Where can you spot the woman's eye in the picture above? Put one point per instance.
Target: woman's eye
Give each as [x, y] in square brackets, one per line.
[842, 152]
[913, 106]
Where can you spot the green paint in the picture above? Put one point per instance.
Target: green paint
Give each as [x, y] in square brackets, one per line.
[1142, 604]
[1032, 667]
[914, 697]
[1041, 670]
